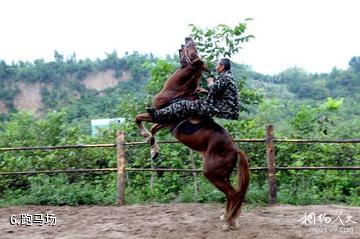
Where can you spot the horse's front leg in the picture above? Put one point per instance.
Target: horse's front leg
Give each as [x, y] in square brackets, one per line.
[139, 122]
[152, 140]
[150, 137]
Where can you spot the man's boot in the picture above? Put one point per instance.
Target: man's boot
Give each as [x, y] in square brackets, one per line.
[156, 118]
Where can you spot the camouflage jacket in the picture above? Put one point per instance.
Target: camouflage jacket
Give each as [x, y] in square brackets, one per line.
[223, 98]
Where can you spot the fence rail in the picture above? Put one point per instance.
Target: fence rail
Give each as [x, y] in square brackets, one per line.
[121, 168]
[85, 146]
[179, 170]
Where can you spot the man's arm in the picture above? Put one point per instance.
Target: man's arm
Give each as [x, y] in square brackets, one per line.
[215, 85]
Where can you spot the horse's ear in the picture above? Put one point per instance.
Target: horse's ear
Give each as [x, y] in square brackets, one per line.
[181, 51]
[188, 39]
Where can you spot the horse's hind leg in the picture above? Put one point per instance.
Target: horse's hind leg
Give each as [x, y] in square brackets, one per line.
[217, 170]
[222, 182]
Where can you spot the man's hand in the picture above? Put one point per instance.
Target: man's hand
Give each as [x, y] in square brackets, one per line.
[210, 80]
[200, 90]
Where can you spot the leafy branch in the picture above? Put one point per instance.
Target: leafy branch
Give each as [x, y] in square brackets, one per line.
[221, 40]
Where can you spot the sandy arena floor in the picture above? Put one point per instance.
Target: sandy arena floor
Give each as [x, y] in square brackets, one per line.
[182, 221]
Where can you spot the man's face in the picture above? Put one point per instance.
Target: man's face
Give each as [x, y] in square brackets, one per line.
[219, 67]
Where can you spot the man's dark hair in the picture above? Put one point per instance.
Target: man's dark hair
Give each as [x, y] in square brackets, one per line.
[226, 63]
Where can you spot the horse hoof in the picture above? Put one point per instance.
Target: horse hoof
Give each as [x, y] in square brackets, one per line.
[151, 140]
[230, 226]
[222, 218]
[154, 155]
[226, 227]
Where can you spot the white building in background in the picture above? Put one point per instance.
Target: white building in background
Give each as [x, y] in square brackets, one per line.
[97, 124]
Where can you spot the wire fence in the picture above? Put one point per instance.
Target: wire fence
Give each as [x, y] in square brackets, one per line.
[121, 168]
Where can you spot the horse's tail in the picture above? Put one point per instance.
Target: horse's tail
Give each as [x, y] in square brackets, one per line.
[243, 184]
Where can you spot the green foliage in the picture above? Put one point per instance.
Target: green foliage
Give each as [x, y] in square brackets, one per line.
[354, 63]
[337, 83]
[297, 187]
[332, 104]
[59, 190]
[225, 41]
[221, 40]
[159, 72]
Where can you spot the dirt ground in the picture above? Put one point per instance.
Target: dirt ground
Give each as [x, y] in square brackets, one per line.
[182, 221]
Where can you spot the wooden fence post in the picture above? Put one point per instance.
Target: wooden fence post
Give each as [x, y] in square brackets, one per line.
[121, 163]
[270, 156]
[152, 176]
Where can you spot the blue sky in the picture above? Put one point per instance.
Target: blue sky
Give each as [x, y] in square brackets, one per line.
[315, 35]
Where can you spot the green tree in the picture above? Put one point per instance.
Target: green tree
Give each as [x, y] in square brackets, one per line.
[354, 63]
[294, 77]
[159, 72]
[58, 57]
[213, 43]
[221, 40]
[5, 71]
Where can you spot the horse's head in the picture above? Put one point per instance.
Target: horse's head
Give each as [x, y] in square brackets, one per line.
[184, 81]
[188, 53]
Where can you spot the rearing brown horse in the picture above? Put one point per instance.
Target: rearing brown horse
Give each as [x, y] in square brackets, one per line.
[216, 146]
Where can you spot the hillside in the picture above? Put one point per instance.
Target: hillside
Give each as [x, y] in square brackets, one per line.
[41, 87]
[30, 97]
[90, 89]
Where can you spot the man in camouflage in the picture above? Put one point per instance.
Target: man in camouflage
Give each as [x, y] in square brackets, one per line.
[222, 100]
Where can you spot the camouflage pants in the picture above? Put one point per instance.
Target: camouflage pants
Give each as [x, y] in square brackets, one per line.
[184, 109]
